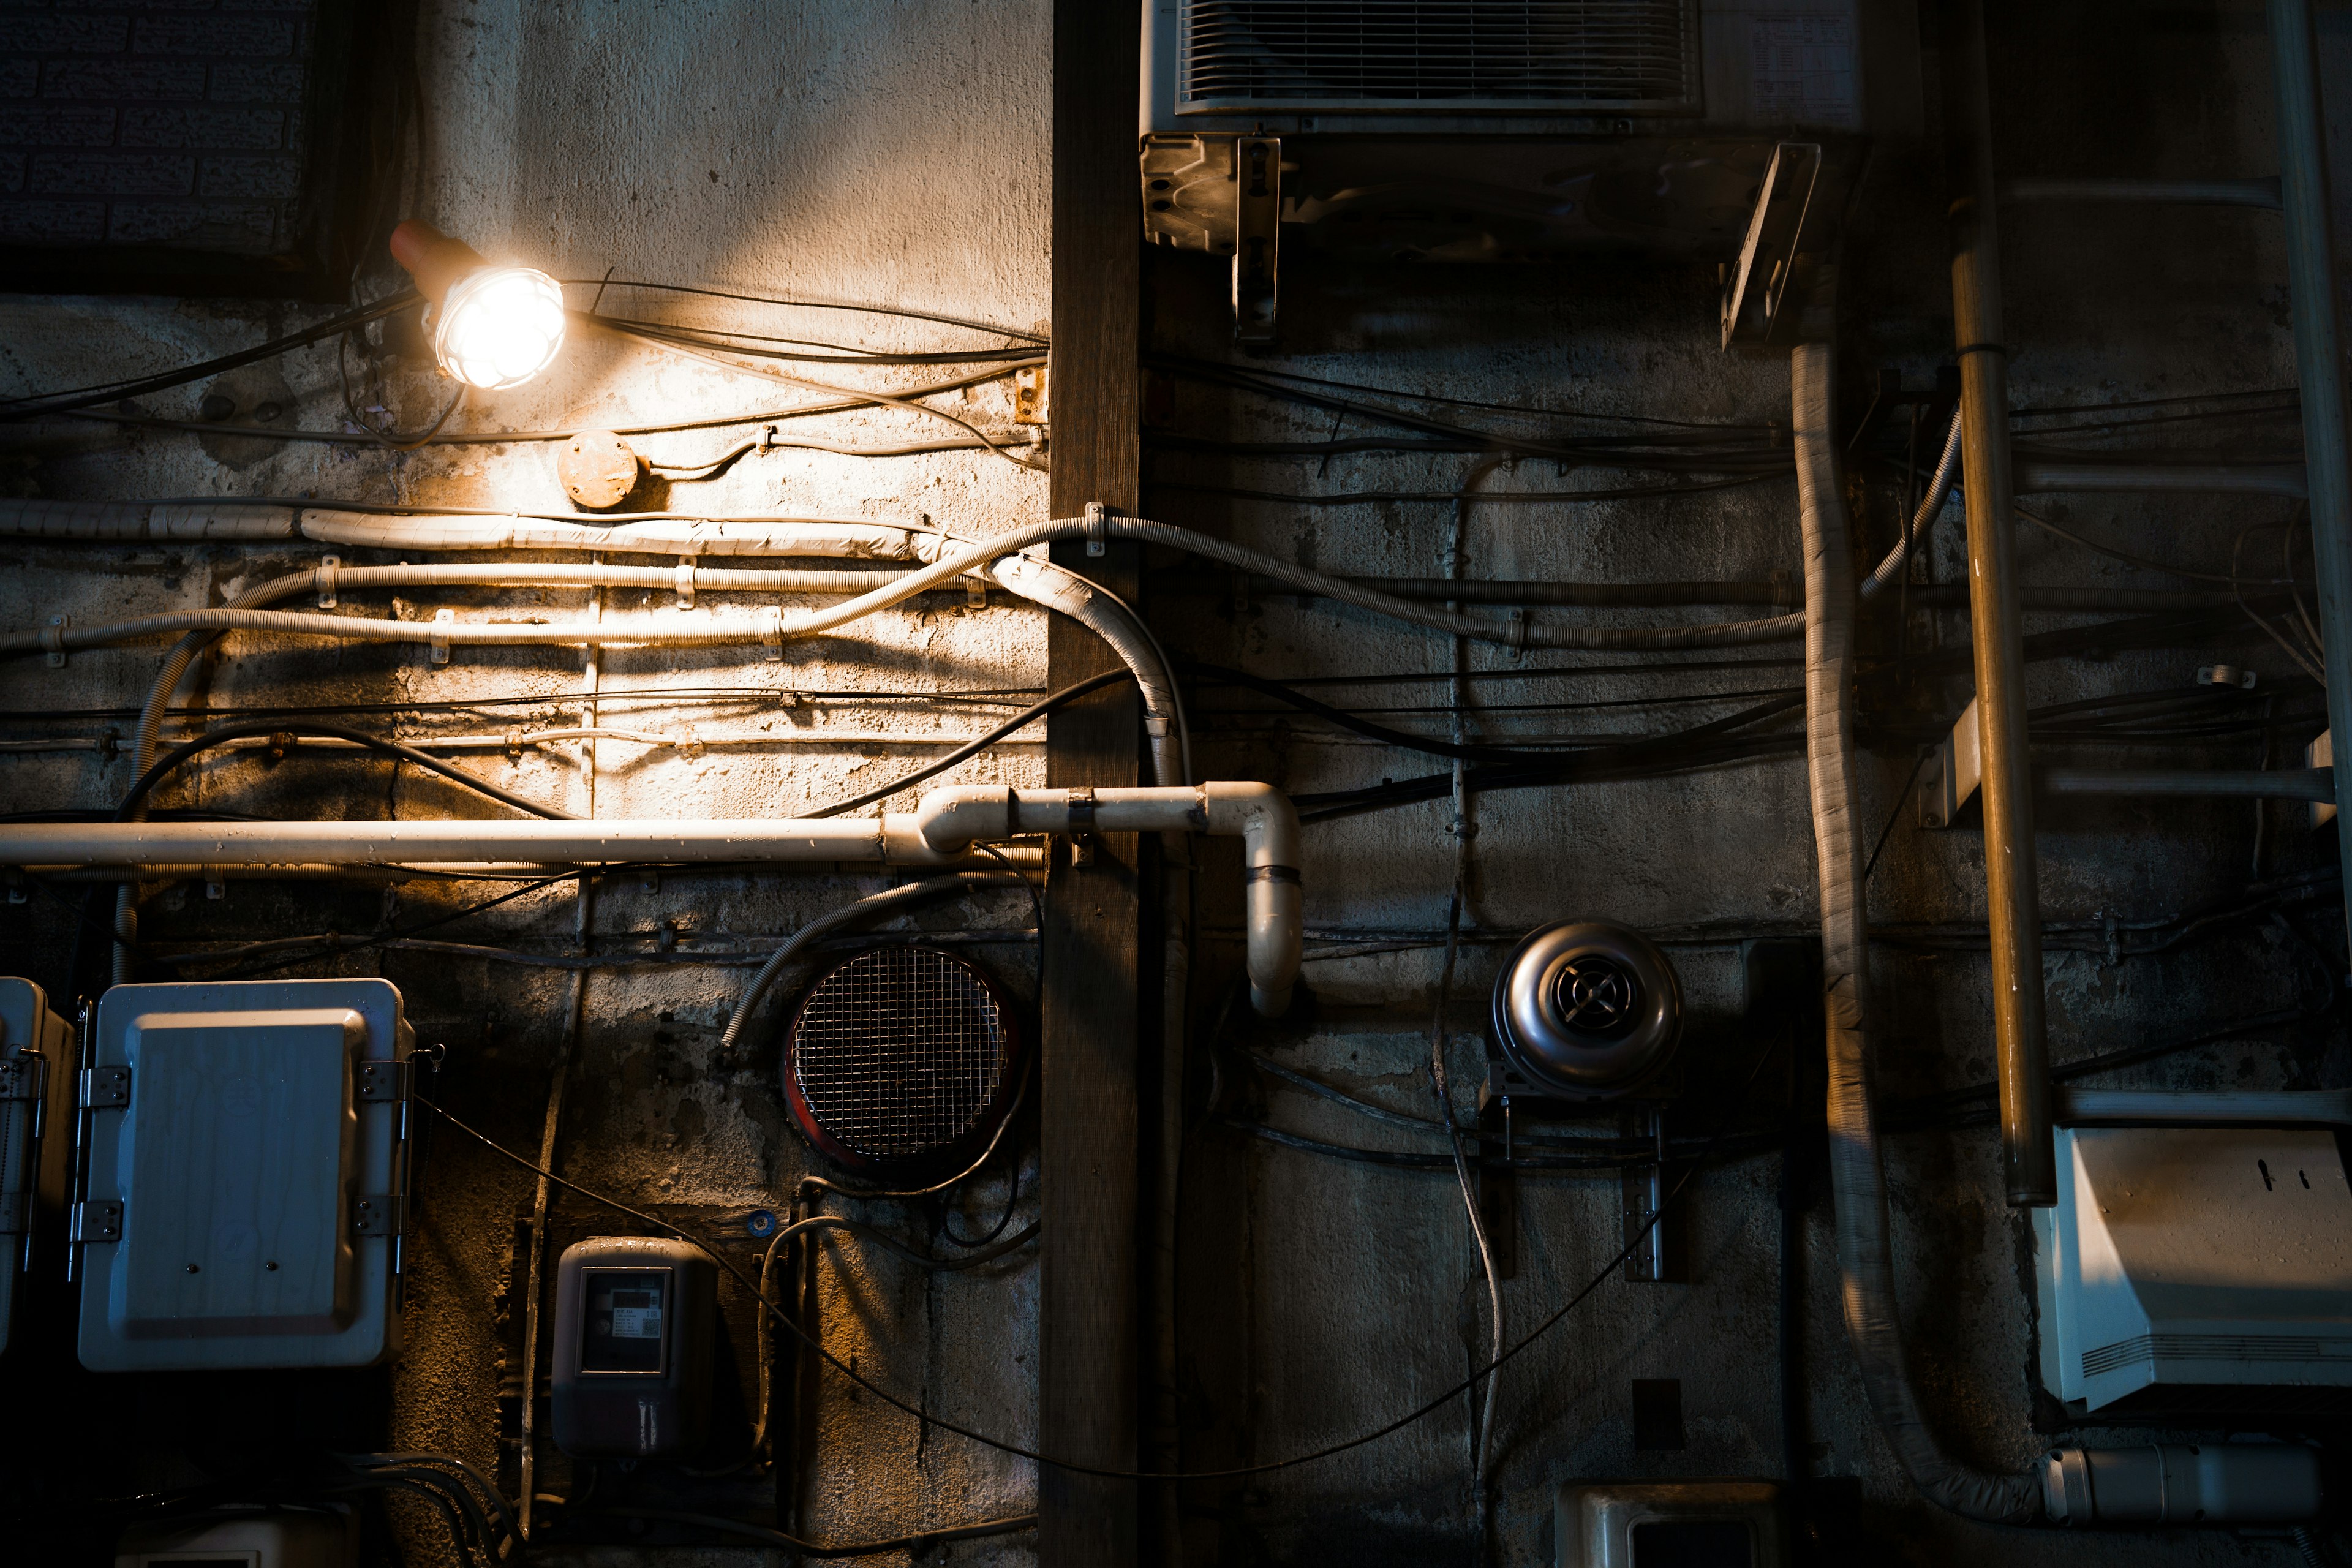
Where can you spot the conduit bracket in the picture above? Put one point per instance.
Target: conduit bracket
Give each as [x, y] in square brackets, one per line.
[55, 642]
[1949, 779]
[441, 621]
[326, 579]
[1789, 238]
[686, 582]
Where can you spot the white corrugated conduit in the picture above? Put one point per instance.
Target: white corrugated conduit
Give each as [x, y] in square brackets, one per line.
[1857, 1180]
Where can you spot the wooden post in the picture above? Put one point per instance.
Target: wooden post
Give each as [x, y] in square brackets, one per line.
[1088, 1377]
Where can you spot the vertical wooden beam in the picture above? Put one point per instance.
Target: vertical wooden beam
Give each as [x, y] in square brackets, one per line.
[1088, 1377]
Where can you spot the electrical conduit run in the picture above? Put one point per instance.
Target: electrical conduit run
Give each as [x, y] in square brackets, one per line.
[1857, 1181]
[940, 830]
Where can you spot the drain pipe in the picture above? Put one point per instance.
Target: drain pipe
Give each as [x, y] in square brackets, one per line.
[2311, 277]
[1858, 1185]
[2013, 895]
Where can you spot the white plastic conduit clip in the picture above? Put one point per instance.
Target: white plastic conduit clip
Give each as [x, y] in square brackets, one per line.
[441, 619]
[326, 566]
[943, 829]
[1097, 528]
[686, 582]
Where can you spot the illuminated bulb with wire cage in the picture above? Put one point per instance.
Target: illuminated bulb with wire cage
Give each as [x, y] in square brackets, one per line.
[499, 327]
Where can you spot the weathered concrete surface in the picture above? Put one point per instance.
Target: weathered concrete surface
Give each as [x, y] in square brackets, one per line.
[898, 154]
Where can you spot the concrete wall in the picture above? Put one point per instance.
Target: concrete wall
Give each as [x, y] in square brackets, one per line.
[898, 153]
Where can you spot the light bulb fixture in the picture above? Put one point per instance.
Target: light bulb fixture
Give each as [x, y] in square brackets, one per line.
[491, 327]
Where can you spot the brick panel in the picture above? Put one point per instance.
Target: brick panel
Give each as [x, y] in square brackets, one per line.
[113, 175]
[154, 122]
[246, 226]
[253, 38]
[270, 178]
[225, 128]
[52, 223]
[121, 79]
[48, 125]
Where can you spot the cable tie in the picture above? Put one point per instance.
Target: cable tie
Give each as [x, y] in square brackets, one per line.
[1968, 349]
[1082, 809]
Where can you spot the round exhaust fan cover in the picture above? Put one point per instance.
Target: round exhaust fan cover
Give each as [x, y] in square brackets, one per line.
[1587, 1010]
[901, 1058]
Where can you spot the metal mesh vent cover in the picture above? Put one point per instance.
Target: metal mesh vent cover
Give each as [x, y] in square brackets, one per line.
[1437, 53]
[897, 1054]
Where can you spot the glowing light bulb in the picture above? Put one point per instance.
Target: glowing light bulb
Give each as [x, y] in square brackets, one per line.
[498, 326]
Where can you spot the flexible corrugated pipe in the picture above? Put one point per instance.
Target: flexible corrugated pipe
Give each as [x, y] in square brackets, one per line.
[1858, 1184]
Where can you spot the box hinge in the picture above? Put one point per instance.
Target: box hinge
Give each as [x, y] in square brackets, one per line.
[23, 1077]
[381, 1081]
[100, 1219]
[379, 1214]
[105, 1089]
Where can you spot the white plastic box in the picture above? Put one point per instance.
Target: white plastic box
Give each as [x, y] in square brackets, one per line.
[244, 1158]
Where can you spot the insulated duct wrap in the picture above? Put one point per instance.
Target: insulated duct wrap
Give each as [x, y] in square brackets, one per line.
[1858, 1184]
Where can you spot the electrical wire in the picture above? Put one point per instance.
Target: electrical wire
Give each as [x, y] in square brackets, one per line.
[1020, 1451]
[1538, 497]
[34, 405]
[971, 748]
[908, 404]
[164, 765]
[497, 438]
[848, 308]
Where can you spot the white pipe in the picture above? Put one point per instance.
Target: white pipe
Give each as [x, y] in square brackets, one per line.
[664, 536]
[1260, 816]
[941, 831]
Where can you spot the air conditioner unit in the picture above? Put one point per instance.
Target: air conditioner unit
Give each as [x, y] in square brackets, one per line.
[2199, 1261]
[1518, 130]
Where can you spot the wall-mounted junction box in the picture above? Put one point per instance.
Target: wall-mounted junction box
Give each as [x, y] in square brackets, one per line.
[244, 1159]
[634, 1318]
[1643, 1524]
[36, 1064]
[2190, 1268]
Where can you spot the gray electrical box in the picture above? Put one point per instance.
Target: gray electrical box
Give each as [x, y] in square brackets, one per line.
[35, 1111]
[2201, 1265]
[244, 1159]
[634, 1316]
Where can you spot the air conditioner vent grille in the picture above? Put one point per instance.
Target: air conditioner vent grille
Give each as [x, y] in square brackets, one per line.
[1438, 53]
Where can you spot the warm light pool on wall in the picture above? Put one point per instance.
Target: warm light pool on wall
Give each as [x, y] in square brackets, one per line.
[492, 326]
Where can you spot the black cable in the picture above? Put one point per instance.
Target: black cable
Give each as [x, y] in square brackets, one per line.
[1016, 1450]
[916, 1543]
[145, 783]
[1027, 715]
[1902, 799]
[34, 405]
[1209, 369]
[1702, 745]
[1430, 744]
[493, 438]
[1040, 339]
[1548, 498]
[1416, 1160]
[360, 944]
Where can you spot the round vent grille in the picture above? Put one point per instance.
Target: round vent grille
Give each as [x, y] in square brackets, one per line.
[900, 1056]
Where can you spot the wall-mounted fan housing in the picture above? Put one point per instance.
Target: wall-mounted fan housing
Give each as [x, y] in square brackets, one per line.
[901, 1060]
[1585, 1010]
